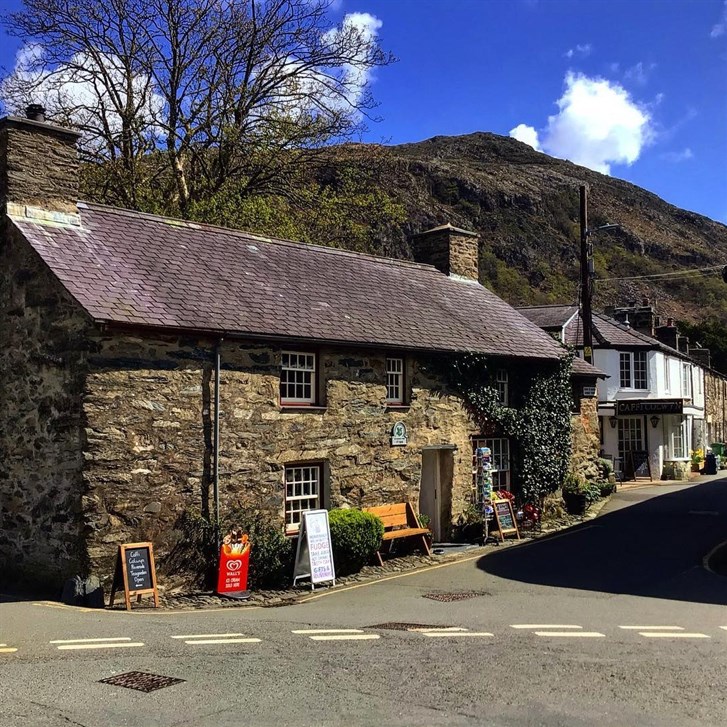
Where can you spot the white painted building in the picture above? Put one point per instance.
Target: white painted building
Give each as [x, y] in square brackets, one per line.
[651, 407]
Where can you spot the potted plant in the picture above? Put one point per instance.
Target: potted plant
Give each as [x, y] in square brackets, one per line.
[575, 494]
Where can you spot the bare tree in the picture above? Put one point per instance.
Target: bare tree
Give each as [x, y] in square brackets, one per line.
[194, 94]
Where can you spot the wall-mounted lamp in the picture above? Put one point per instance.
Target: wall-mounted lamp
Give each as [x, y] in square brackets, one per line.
[654, 421]
[613, 421]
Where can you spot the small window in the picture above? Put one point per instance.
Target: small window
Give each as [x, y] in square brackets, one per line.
[633, 370]
[395, 380]
[686, 381]
[667, 381]
[500, 449]
[677, 439]
[297, 378]
[502, 387]
[302, 492]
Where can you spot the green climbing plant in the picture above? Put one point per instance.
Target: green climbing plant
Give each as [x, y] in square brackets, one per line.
[540, 422]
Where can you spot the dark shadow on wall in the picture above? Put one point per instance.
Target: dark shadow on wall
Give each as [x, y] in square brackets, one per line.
[653, 548]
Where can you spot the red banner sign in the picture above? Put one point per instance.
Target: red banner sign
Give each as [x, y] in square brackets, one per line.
[232, 576]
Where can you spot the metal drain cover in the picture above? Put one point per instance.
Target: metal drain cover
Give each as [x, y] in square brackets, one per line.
[141, 681]
[450, 597]
[398, 626]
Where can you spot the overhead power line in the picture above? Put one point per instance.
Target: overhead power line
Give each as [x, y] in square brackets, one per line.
[673, 275]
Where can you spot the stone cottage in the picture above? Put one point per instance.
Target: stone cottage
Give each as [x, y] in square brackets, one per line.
[148, 363]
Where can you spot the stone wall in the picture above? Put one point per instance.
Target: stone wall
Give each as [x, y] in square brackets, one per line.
[42, 367]
[715, 403]
[586, 439]
[149, 436]
[450, 250]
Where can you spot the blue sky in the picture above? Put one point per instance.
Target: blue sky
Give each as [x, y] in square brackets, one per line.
[637, 88]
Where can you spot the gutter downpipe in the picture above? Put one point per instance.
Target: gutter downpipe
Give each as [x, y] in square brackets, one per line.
[216, 452]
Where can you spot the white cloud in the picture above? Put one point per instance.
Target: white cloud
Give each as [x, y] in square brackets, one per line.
[678, 156]
[357, 74]
[527, 134]
[80, 89]
[720, 27]
[581, 51]
[597, 124]
[639, 73]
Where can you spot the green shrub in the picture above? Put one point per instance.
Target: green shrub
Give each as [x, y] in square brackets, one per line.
[356, 536]
[573, 483]
[607, 488]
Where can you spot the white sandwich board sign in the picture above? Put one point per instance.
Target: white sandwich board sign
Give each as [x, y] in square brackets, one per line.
[314, 555]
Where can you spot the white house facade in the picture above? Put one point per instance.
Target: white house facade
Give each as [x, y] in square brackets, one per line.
[651, 408]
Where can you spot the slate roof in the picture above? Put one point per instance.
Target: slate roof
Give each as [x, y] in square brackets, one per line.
[549, 316]
[142, 270]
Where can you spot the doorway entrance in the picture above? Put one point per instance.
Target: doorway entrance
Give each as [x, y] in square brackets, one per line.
[435, 492]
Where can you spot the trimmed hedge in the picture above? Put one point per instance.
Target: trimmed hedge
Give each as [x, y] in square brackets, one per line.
[356, 536]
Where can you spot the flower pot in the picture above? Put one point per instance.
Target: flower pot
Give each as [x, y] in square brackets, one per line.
[696, 466]
[575, 502]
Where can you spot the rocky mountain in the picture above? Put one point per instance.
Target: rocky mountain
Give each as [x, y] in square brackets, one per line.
[525, 205]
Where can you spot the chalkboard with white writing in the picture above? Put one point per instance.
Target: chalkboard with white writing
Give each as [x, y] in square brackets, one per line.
[135, 573]
[505, 518]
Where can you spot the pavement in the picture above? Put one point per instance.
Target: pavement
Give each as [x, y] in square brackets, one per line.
[615, 622]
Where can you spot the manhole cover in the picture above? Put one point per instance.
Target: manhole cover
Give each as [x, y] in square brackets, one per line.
[141, 681]
[398, 626]
[445, 597]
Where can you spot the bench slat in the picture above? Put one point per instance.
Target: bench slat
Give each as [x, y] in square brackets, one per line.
[393, 534]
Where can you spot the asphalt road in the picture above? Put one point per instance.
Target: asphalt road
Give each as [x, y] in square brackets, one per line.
[614, 622]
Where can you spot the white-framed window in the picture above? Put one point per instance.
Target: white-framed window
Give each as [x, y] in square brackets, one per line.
[502, 382]
[297, 378]
[302, 492]
[500, 448]
[677, 438]
[395, 380]
[633, 371]
[686, 381]
[667, 377]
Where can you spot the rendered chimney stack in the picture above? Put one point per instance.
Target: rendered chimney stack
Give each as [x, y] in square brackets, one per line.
[39, 164]
[452, 250]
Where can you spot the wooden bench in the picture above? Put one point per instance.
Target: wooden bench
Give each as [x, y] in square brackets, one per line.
[400, 522]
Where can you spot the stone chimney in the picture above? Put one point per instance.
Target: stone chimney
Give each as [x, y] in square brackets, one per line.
[668, 334]
[701, 355]
[452, 250]
[642, 318]
[39, 164]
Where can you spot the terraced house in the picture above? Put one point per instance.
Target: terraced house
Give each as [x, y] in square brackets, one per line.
[148, 362]
[661, 399]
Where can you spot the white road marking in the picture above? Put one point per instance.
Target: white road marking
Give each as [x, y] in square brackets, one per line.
[724, 628]
[67, 647]
[571, 634]
[327, 631]
[457, 633]
[205, 636]
[84, 641]
[343, 637]
[224, 641]
[673, 635]
[426, 629]
[652, 628]
[7, 650]
[544, 626]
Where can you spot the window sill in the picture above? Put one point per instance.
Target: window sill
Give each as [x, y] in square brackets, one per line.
[397, 407]
[302, 407]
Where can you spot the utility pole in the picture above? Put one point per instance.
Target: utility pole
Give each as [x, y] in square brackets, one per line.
[586, 279]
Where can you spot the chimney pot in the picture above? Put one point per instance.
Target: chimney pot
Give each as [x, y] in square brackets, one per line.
[35, 112]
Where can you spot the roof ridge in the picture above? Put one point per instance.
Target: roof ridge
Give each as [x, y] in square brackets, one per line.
[191, 224]
[547, 305]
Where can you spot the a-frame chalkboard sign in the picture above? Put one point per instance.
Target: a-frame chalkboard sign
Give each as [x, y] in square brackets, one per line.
[505, 518]
[135, 573]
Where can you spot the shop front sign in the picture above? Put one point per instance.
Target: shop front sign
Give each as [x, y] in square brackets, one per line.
[649, 406]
